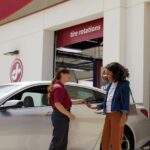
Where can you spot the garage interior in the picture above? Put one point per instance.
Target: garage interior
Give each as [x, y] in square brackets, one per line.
[80, 59]
[79, 48]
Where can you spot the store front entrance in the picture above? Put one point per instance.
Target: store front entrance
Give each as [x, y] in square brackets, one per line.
[80, 49]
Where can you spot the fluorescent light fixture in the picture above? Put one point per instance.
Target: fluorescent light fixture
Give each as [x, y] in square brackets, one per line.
[87, 83]
[92, 41]
[70, 50]
[74, 69]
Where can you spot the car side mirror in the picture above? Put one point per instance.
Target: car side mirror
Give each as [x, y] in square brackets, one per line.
[11, 104]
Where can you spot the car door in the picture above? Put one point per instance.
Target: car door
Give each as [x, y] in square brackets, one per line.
[29, 127]
[85, 131]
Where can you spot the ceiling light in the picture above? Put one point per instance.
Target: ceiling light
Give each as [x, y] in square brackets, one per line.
[75, 69]
[92, 41]
[70, 50]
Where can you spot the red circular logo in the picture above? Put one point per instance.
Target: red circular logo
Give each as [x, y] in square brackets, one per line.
[16, 71]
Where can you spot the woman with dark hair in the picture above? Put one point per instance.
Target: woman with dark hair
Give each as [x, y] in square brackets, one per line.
[61, 104]
[116, 106]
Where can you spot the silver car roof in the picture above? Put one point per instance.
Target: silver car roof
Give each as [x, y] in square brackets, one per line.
[33, 83]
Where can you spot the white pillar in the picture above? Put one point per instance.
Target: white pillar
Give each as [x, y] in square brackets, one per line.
[48, 55]
[135, 48]
[146, 65]
[114, 31]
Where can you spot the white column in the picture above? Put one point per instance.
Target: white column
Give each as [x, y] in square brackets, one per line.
[114, 31]
[135, 49]
[48, 55]
[146, 65]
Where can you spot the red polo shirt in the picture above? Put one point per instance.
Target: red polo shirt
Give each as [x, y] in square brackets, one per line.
[60, 95]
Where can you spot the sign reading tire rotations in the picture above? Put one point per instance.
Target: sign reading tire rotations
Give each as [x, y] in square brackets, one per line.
[16, 71]
[79, 33]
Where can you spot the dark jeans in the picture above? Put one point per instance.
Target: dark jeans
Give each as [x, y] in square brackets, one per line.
[60, 132]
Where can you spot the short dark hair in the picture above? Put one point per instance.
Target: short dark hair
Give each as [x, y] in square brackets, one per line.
[119, 72]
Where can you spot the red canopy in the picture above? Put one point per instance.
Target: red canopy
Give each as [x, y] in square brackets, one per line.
[8, 7]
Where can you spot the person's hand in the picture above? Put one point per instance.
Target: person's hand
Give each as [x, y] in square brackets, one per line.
[105, 77]
[82, 101]
[88, 104]
[78, 101]
[123, 120]
[71, 116]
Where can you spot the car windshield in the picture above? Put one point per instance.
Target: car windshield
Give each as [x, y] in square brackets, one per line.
[6, 89]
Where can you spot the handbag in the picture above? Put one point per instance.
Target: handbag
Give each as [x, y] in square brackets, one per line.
[132, 106]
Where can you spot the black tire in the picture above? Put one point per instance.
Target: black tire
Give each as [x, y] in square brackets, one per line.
[128, 140]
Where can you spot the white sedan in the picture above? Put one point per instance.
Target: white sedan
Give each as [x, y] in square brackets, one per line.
[25, 119]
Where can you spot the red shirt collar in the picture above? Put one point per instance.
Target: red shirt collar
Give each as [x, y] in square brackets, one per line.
[58, 82]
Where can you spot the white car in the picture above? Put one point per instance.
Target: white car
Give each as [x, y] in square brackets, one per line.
[25, 119]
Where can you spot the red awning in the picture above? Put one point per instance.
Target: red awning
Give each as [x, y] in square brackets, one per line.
[8, 7]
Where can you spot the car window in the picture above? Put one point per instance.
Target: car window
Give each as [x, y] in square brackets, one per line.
[33, 97]
[93, 96]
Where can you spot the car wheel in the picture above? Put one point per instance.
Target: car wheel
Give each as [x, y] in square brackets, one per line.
[127, 141]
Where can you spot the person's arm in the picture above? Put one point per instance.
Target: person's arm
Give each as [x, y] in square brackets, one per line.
[89, 105]
[125, 103]
[123, 119]
[78, 101]
[125, 98]
[61, 108]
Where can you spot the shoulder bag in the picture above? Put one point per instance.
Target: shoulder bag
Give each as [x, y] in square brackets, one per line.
[132, 106]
